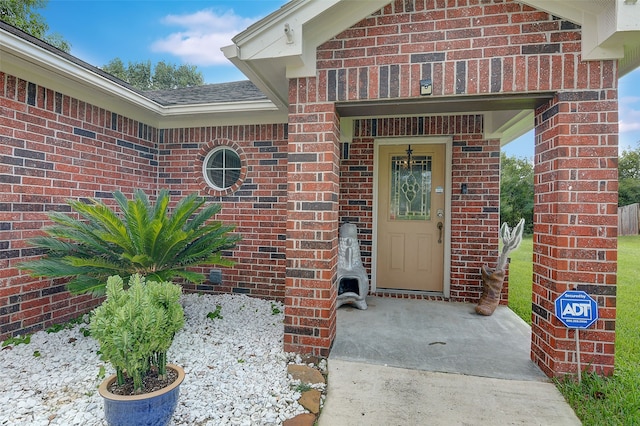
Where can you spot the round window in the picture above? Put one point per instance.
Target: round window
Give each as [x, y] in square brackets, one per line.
[221, 167]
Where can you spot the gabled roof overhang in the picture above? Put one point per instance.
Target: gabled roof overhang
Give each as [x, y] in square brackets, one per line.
[283, 45]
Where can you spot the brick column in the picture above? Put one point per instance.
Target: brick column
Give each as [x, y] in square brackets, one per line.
[575, 226]
[312, 221]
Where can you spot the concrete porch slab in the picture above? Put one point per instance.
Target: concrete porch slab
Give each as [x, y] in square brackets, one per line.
[416, 362]
[436, 336]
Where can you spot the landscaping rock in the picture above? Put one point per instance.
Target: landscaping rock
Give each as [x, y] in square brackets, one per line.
[305, 419]
[235, 362]
[305, 374]
[311, 400]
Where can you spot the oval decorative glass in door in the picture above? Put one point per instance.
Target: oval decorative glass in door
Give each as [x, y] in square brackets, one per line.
[410, 188]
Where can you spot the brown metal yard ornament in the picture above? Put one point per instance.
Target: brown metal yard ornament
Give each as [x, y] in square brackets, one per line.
[493, 279]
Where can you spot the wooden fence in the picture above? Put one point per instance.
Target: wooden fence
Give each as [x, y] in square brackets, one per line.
[628, 219]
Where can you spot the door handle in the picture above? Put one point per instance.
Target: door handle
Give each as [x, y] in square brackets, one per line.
[440, 226]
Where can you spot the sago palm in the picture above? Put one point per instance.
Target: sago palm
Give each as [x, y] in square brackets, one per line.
[145, 239]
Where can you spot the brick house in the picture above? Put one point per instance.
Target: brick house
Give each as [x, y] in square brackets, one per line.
[341, 96]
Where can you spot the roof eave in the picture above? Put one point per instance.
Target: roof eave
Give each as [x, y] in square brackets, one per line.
[35, 64]
[221, 114]
[76, 79]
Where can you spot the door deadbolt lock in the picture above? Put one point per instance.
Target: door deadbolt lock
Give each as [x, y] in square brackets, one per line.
[440, 213]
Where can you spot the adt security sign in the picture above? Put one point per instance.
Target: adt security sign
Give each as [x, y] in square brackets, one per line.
[576, 309]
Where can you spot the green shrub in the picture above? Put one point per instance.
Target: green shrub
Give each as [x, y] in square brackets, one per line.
[143, 239]
[135, 327]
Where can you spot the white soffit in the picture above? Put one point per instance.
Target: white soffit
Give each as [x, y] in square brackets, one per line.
[508, 125]
[610, 28]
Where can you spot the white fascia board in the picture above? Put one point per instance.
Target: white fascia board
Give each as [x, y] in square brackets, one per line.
[618, 34]
[311, 23]
[268, 84]
[223, 118]
[498, 124]
[627, 16]
[224, 113]
[267, 39]
[304, 65]
[596, 31]
[346, 129]
[521, 123]
[265, 55]
[23, 57]
[31, 63]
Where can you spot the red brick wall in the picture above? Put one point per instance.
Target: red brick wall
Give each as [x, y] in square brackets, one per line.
[312, 221]
[55, 147]
[475, 48]
[475, 215]
[575, 230]
[257, 205]
[52, 148]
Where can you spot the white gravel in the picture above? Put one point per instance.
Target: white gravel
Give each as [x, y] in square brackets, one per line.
[236, 370]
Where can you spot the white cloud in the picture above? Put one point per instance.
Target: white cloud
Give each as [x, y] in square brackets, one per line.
[624, 126]
[205, 32]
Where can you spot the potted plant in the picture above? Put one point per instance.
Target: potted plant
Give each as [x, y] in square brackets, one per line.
[132, 255]
[144, 238]
[493, 279]
[135, 328]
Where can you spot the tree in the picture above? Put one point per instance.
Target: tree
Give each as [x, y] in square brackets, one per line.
[516, 192]
[143, 76]
[169, 76]
[21, 14]
[144, 239]
[629, 177]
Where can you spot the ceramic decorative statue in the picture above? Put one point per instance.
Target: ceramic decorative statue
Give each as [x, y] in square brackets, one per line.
[353, 281]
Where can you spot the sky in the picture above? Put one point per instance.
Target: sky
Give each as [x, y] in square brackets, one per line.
[193, 31]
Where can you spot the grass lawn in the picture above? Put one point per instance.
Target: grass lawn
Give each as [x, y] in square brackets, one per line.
[597, 401]
[520, 279]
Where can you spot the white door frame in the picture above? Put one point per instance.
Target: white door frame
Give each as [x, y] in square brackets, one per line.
[416, 140]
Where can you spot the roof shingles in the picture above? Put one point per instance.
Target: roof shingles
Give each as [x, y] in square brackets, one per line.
[236, 91]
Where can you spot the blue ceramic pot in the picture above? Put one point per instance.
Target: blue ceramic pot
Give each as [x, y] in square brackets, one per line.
[149, 409]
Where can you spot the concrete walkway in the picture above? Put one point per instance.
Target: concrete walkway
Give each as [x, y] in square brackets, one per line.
[414, 362]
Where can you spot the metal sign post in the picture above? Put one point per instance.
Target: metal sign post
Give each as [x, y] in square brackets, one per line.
[576, 310]
[577, 331]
